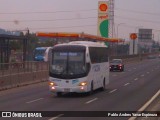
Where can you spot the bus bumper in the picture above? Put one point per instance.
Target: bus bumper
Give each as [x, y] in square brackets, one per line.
[78, 89]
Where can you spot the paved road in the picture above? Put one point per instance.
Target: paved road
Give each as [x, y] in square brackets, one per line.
[127, 91]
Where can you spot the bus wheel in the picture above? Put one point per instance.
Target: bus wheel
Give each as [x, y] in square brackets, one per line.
[91, 90]
[52, 94]
[104, 85]
[59, 94]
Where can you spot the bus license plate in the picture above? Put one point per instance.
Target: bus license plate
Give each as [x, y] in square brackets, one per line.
[66, 90]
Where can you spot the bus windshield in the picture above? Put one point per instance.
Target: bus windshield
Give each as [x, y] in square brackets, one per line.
[68, 64]
[39, 52]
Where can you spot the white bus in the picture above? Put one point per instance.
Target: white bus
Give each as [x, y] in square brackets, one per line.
[79, 66]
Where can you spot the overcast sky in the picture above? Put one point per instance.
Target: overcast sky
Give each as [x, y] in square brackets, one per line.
[78, 15]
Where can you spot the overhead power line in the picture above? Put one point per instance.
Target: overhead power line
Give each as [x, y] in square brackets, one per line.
[138, 12]
[49, 12]
[135, 19]
[93, 25]
[121, 17]
[51, 20]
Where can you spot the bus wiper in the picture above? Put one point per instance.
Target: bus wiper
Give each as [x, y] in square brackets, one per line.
[62, 73]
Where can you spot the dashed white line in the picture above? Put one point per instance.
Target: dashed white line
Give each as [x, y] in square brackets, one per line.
[136, 79]
[56, 117]
[91, 100]
[142, 75]
[147, 72]
[113, 91]
[123, 72]
[114, 75]
[34, 100]
[126, 84]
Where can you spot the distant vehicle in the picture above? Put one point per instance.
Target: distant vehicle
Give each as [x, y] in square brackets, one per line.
[42, 54]
[78, 66]
[116, 64]
[151, 57]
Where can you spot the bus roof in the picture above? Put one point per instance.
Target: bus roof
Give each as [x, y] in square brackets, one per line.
[84, 43]
[41, 48]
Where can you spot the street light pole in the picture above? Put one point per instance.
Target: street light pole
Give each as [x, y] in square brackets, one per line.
[137, 28]
[118, 27]
[117, 37]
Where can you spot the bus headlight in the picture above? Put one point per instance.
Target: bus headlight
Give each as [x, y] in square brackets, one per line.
[82, 83]
[52, 84]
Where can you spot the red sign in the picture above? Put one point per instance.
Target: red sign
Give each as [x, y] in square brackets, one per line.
[103, 7]
[133, 36]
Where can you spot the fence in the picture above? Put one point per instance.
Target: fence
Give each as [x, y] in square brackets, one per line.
[22, 73]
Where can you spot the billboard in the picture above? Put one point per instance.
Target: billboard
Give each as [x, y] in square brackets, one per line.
[145, 38]
[145, 34]
[103, 19]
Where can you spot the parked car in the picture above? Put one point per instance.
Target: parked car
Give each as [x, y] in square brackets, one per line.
[116, 64]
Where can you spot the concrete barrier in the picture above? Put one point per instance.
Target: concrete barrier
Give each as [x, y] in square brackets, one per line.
[31, 72]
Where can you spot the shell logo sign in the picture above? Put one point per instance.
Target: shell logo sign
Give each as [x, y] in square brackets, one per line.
[103, 7]
[103, 19]
[133, 36]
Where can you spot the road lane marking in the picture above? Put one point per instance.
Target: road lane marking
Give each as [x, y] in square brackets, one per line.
[149, 102]
[113, 91]
[122, 72]
[136, 79]
[146, 104]
[91, 100]
[147, 72]
[142, 75]
[34, 100]
[126, 84]
[114, 75]
[135, 68]
[56, 117]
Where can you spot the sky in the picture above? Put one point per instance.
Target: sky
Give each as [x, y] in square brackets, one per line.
[78, 16]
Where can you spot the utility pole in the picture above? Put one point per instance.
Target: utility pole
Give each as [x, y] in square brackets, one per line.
[111, 19]
[111, 23]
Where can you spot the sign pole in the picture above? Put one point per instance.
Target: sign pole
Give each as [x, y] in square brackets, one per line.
[133, 37]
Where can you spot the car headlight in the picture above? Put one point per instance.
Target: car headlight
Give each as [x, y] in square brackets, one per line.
[52, 84]
[82, 83]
